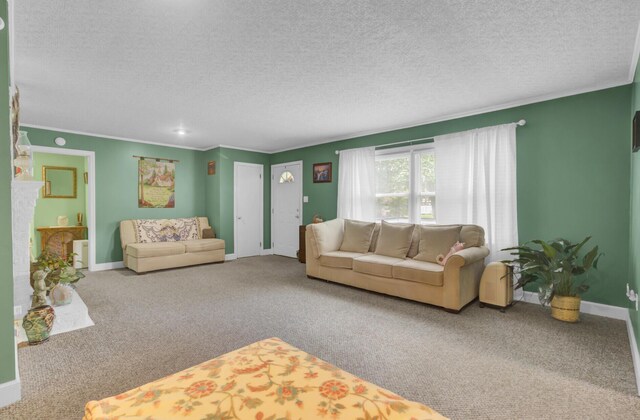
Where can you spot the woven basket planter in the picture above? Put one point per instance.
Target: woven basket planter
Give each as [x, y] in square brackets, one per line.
[566, 308]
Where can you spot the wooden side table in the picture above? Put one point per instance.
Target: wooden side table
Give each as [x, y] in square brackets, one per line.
[302, 248]
[59, 239]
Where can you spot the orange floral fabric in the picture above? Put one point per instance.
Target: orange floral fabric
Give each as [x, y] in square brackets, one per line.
[267, 380]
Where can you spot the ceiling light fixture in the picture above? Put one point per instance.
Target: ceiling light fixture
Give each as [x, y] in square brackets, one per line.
[180, 131]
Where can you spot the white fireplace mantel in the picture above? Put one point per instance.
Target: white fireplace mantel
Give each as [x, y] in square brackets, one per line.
[23, 202]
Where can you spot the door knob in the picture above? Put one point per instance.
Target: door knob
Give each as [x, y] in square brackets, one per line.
[239, 218]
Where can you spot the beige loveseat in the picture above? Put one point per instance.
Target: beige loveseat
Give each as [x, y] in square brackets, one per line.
[157, 244]
[451, 286]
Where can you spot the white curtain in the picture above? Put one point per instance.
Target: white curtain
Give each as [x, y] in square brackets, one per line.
[476, 183]
[356, 184]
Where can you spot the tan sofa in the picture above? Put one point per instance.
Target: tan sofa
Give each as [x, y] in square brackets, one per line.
[451, 286]
[150, 256]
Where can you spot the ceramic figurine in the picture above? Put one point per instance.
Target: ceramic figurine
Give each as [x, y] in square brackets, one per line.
[39, 288]
[61, 294]
[37, 323]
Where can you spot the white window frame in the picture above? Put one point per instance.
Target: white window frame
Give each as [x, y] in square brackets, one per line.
[414, 152]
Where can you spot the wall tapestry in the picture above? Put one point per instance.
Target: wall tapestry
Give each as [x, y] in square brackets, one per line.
[156, 184]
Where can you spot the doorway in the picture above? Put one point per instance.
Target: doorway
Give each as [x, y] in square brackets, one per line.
[286, 207]
[84, 179]
[248, 209]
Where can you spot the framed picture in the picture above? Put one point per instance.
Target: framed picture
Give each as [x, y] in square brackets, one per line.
[211, 167]
[86, 177]
[635, 146]
[322, 172]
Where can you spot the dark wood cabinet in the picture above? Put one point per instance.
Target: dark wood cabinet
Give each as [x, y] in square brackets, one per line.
[302, 249]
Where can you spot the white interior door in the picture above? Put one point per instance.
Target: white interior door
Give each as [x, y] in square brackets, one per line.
[286, 207]
[247, 209]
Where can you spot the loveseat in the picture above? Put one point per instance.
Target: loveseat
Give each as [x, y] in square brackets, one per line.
[157, 244]
[400, 259]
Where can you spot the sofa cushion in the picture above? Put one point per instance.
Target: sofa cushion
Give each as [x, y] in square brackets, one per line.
[436, 240]
[394, 239]
[201, 245]
[419, 272]
[155, 249]
[376, 265]
[208, 233]
[328, 236]
[357, 236]
[472, 235]
[339, 259]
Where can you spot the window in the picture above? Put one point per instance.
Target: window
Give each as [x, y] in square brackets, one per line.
[405, 185]
[286, 177]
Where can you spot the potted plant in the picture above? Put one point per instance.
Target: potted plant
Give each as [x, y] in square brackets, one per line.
[554, 266]
[60, 269]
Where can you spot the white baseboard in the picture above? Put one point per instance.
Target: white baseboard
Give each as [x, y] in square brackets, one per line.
[635, 355]
[10, 392]
[267, 251]
[108, 266]
[586, 307]
[229, 257]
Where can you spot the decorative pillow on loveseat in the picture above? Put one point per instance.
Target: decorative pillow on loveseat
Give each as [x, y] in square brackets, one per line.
[436, 240]
[394, 239]
[357, 236]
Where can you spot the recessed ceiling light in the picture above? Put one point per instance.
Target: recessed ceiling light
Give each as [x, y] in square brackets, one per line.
[180, 131]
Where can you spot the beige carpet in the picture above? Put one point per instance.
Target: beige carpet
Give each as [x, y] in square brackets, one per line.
[478, 364]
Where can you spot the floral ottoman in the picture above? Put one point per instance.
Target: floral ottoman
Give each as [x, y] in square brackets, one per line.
[266, 380]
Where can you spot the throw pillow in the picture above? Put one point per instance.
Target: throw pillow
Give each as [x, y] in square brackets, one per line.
[357, 236]
[442, 259]
[394, 239]
[436, 240]
[472, 235]
[208, 233]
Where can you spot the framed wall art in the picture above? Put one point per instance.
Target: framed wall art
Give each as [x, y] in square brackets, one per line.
[322, 172]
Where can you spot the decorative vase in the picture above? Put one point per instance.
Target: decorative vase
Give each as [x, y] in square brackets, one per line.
[37, 323]
[61, 294]
[566, 308]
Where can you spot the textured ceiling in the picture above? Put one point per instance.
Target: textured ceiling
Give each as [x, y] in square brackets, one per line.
[272, 75]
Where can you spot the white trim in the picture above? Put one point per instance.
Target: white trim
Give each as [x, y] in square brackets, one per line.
[10, 392]
[235, 202]
[104, 136]
[230, 257]
[91, 192]
[449, 117]
[108, 266]
[246, 149]
[586, 307]
[635, 355]
[273, 182]
[635, 56]
[12, 36]
[357, 134]
[267, 251]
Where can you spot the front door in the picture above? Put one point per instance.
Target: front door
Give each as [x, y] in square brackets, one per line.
[286, 207]
[247, 209]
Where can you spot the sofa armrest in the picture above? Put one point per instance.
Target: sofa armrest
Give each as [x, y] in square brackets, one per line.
[468, 256]
[327, 236]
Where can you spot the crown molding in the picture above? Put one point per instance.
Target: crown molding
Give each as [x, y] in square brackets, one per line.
[84, 133]
[477, 111]
[635, 56]
[357, 134]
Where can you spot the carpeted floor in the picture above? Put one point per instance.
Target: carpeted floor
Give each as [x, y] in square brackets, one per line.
[477, 364]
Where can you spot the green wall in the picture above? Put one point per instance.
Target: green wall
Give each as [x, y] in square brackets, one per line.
[634, 252]
[219, 187]
[573, 174]
[48, 209]
[7, 344]
[117, 187]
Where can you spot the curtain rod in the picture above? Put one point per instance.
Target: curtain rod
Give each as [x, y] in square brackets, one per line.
[155, 158]
[519, 123]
